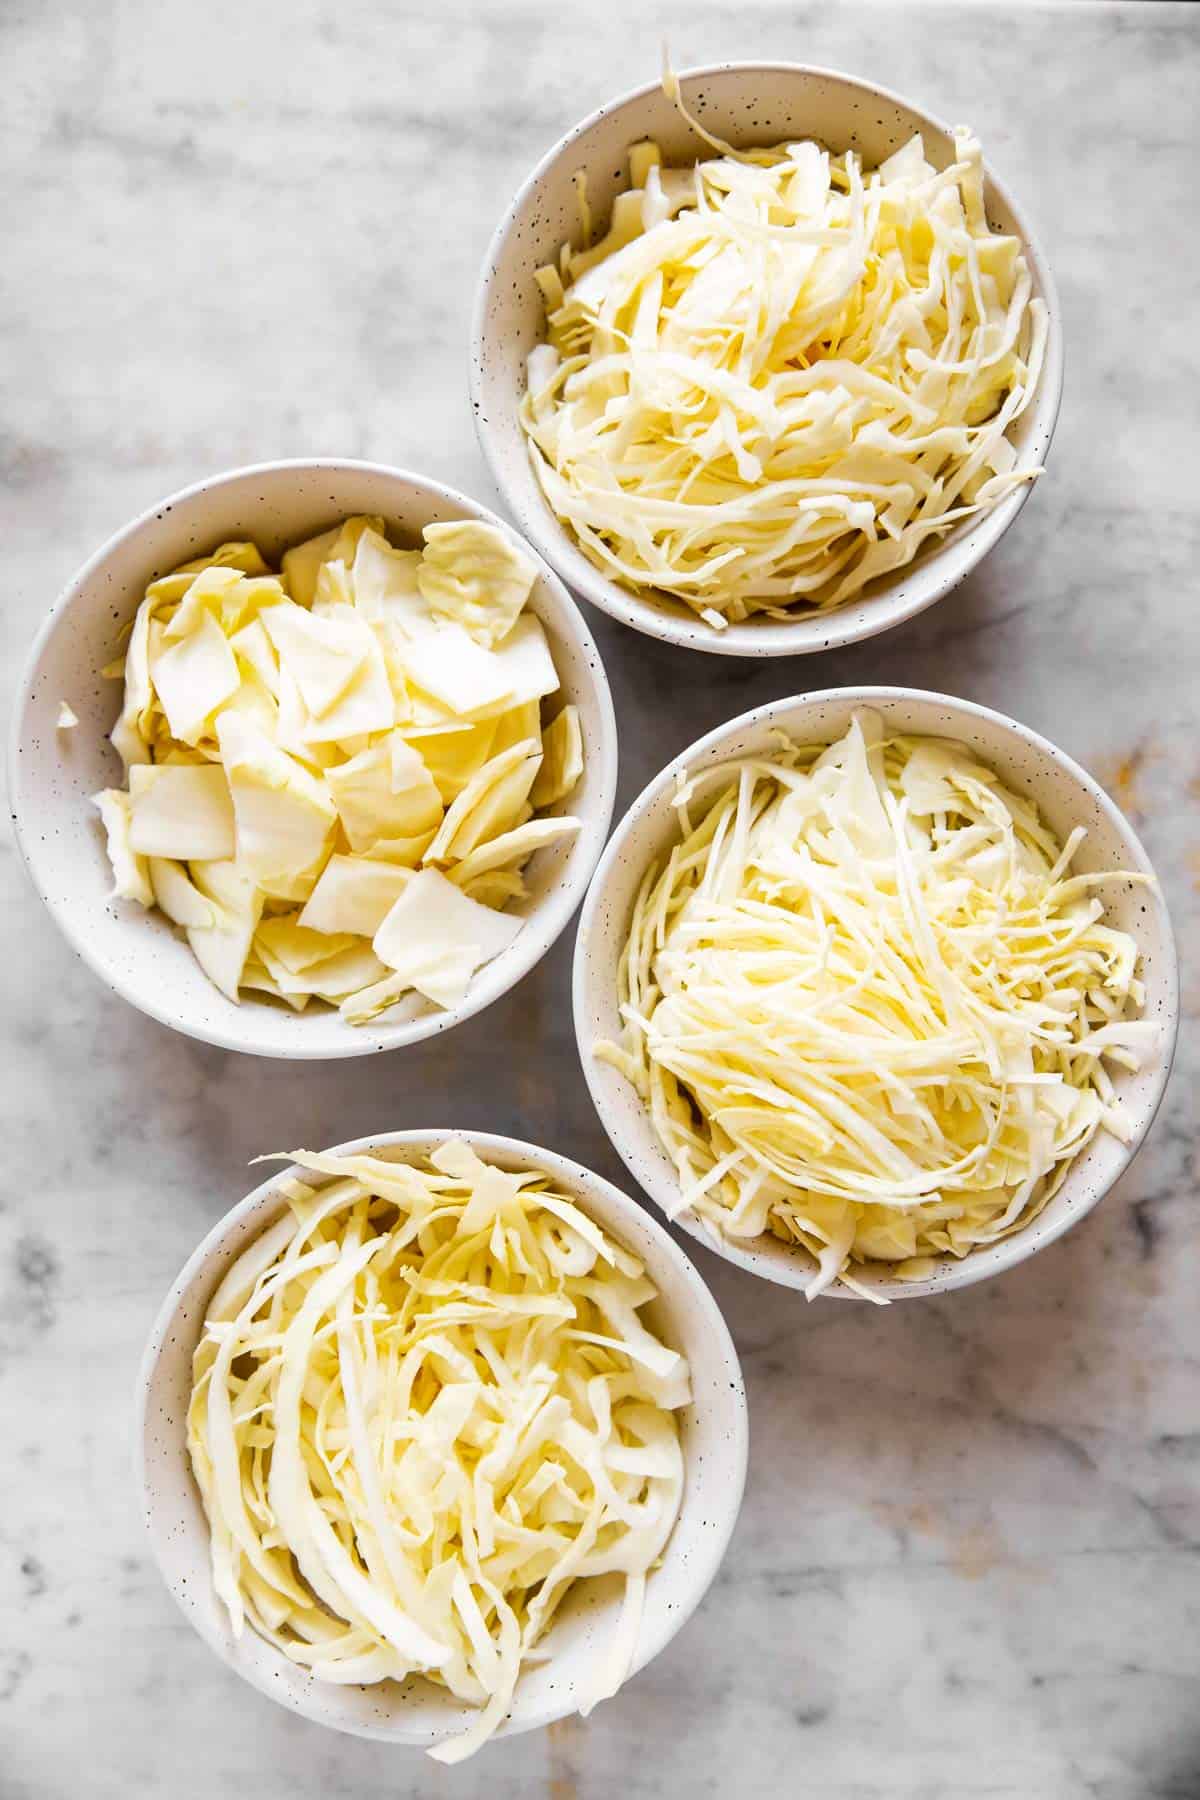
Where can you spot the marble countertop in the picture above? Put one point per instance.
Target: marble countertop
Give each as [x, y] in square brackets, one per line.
[967, 1565]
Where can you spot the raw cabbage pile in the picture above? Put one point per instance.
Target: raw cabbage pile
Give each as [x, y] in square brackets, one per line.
[868, 1004]
[424, 1405]
[776, 377]
[337, 772]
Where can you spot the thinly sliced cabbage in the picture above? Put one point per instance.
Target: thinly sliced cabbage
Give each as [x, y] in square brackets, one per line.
[868, 1006]
[304, 740]
[779, 377]
[424, 1406]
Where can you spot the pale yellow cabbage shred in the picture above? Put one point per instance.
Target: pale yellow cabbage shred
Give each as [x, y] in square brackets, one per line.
[424, 1405]
[294, 782]
[777, 377]
[868, 1005]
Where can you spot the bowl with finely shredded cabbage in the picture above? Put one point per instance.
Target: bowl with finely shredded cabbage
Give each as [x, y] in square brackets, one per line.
[765, 358]
[441, 1436]
[875, 992]
[313, 759]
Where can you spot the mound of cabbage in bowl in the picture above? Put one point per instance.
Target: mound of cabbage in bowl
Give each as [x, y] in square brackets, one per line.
[870, 1007]
[778, 376]
[425, 1405]
[338, 770]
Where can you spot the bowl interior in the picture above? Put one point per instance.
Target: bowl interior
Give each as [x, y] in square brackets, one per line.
[713, 1431]
[1066, 796]
[746, 104]
[54, 773]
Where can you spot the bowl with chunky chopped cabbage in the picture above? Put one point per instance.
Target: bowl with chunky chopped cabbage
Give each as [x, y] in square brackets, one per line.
[875, 992]
[765, 358]
[441, 1437]
[313, 759]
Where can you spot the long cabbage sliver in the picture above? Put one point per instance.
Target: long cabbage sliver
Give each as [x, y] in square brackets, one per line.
[778, 377]
[868, 1005]
[423, 1406]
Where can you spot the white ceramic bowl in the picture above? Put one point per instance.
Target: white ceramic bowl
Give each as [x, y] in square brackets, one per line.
[747, 104]
[1067, 797]
[713, 1430]
[53, 774]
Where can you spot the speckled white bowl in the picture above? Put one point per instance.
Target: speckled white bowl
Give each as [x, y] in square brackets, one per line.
[52, 774]
[713, 1430]
[747, 104]
[1066, 795]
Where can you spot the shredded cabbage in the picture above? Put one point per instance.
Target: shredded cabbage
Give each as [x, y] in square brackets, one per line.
[424, 1405]
[777, 376]
[868, 1005]
[298, 745]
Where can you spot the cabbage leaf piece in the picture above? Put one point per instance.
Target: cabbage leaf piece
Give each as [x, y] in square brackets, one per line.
[181, 811]
[434, 937]
[284, 812]
[475, 574]
[384, 792]
[131, 876]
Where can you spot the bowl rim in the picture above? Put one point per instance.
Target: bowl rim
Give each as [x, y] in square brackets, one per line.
[621, 1206]
[859, 619]
[956, 1272]
[551, 915]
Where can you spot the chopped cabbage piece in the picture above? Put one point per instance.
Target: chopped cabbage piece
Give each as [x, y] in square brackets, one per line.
[562, 759]
[323, 654]
[221, 948]
[435, 938]
[424, 1406]
[177, 895]
[67, 719]
[868, 1006]
[460, 674]
[354, 894]
[473, 573]
[284, 812]
[524, 664]
[193, 675]
[131, 877]
[303, 563]
[490, 803]
[511, 847]
[180, 811]
[386, 586]
[384, 792]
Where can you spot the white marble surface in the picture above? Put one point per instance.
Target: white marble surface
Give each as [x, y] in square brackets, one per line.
[967, 1564]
